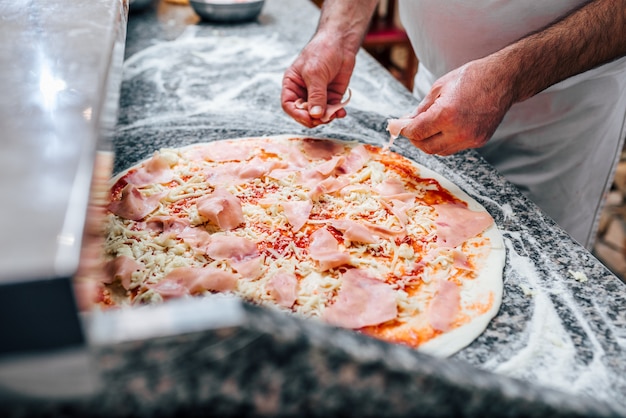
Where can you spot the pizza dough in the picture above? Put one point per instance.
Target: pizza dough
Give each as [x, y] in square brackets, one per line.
[350, 234]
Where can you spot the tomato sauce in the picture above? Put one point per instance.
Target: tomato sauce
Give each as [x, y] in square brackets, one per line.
[405, 169]
[116, 189]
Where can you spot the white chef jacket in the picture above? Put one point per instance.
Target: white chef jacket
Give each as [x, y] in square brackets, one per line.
[559, 147]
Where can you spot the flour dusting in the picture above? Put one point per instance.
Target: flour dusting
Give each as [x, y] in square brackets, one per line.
[550, 357]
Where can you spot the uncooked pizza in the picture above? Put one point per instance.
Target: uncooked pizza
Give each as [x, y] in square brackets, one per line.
[347, 233]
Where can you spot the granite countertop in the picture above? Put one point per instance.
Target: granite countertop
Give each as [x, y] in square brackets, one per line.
[556, 348]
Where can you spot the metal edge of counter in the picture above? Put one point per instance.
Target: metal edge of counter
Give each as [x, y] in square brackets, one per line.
[46, 355]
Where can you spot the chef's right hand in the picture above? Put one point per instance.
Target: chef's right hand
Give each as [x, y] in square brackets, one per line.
[318, 77]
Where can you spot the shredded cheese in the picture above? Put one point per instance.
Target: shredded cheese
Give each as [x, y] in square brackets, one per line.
[400, 257]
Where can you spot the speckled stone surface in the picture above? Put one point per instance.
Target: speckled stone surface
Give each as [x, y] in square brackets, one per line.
[266, 363]
[556, 348]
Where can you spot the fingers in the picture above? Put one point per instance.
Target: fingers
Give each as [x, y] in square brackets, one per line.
[428, 132]
[436, 145]
[299, 102]
[434, 132]
[304, 85]
[294, 93]
[423, 126]
[313, 86]
[316, 97]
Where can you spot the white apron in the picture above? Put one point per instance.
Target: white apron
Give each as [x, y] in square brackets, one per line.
[559, 147]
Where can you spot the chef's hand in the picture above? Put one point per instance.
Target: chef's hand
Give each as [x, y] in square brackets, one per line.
[318, 77]
[462, 110]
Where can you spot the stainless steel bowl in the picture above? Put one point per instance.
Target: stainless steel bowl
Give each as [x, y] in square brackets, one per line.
[227, 10]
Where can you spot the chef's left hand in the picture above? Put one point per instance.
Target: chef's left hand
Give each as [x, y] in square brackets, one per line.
[318, 77]
[462, 110]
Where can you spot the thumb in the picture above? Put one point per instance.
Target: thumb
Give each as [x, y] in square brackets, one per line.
[317, 97]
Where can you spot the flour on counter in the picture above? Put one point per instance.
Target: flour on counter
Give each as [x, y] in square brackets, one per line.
[550, 357]
[527, 290]
[507, 211]
[579, 276]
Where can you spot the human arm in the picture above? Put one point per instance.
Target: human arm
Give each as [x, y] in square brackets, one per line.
[321, 72]
[464, 107]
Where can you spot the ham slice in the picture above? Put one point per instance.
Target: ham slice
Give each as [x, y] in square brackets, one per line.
[122, 268]
[297, 158]
[283, 287]
[230, 173]
[327, 186]
[297, 212]
[169, 288]
[321, 149]
[196, 238]
[335, 166]
[365, 232]
[390, 186]
[222, 175]
[455, 224]
[309, 178]
[444, 306]
[257, 168]
[354, 231]
[241, 253]
[223, 247]
[133, 204]
[395, 198]
[331, 109]
[399, 209]
[194, 280]
[221, 208]
[328, 167]
[354, 161]
[324, 249]
[271, 147]
[155, 170]
[395, 127]
[209, 278]
[334, 108]
[459, 260]
[361, 301]
[238, 173]
[321, 179]
[167, 224]
[249, 267]
[384, 232]
[222, 152]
